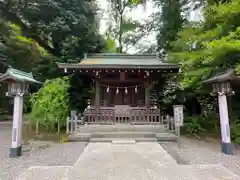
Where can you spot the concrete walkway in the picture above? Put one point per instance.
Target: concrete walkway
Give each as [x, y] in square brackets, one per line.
[132, 161]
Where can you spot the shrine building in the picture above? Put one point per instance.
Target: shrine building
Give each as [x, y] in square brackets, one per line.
[122, 85]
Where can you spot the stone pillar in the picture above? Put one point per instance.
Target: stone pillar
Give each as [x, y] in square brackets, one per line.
[15, 149]
[224, 121]
[97, 95]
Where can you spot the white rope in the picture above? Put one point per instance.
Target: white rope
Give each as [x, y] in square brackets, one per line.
[122, 87]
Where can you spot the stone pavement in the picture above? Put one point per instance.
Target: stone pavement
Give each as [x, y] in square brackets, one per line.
[120, 161]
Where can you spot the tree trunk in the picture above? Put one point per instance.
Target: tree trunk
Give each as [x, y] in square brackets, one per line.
[58, 127]
[37, 127]
[120, 33]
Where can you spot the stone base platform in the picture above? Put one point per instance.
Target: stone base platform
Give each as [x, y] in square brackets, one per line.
[108, 133]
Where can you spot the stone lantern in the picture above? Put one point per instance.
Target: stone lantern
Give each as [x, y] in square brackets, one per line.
[18, 86]
[222, 87]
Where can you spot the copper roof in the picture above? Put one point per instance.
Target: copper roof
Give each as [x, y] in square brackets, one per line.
[112, 61]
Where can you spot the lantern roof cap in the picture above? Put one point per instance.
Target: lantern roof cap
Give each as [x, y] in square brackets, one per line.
[18, 75]
[226, 75]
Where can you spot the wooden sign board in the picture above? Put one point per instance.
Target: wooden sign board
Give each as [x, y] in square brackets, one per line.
[178, 115]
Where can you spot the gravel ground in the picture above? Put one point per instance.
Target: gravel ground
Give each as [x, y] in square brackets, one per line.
[37, 153]
[194, 151]
[50, 154]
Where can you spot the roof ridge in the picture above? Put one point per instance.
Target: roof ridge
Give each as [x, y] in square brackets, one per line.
[121, 55]
[16, 71]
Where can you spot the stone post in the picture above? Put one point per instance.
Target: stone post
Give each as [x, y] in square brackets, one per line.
[224, 121]
[21, 124]
[16, 145]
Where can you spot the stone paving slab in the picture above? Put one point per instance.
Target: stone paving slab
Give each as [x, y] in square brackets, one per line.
[140, 161]
[44, 173]
[209, 172]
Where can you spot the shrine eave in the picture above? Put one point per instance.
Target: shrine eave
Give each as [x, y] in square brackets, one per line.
[164, 66]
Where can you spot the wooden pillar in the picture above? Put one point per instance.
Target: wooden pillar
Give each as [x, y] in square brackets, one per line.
[97, 95]
[148, 88]
[147, 100]
[147, 96]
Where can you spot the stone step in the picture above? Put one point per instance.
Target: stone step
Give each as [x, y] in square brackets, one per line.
[109, 136]
[80, 137]
[121, 127]
[2, 126]
[114, 140]
[123, 134]
[166, 137]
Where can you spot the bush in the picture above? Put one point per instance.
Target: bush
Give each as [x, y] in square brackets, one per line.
[192, 125]
[235, 132]
[4, 115]
[50, 104]
[207, 122]
[211, 122]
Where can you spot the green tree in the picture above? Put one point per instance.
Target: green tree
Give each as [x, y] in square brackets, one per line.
[66, 29]
[25, 54]
[111, 46]
[204, 49]
[121, 28]
[170, 20]
[37, 34]
[210, 47]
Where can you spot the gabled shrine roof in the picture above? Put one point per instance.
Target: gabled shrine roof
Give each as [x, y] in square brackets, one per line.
[110, 60]
[17, 75]
[122, 59]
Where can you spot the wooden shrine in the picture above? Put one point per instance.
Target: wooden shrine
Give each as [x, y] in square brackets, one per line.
[122, 85]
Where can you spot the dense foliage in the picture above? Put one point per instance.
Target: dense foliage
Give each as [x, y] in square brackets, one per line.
[65, 29]
[36, 34]
[50, 105]
[204, 48]
[170, 22]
